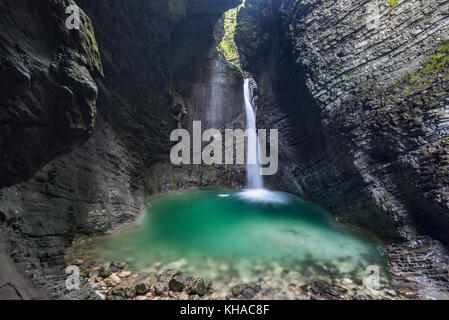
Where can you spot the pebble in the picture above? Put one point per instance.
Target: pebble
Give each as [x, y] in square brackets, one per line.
[112, 281]
[124, 274]
[105, 271]
[159, 288]
[78, 262]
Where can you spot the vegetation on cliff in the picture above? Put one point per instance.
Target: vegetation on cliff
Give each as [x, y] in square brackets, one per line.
[434, 68]
[227, 44]
[439, 62]
[393, 3]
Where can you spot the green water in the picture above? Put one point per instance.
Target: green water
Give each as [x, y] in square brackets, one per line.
[210, 233]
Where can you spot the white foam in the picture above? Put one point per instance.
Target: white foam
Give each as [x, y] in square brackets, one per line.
[263, 196]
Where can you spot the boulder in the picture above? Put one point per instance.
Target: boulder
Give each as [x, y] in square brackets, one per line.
[159, 288]
[167, 275]
[176, 284]
[198, 286]
[116, 266]
[246, 290]
[105, 271]
[77, 262]
[143, 287]
[121, 293]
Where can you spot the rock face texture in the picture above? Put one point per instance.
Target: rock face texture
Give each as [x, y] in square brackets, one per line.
[160, 66]
[361, 101]
[167, 81]
[365, 114]
[47, 93]
[47, 108]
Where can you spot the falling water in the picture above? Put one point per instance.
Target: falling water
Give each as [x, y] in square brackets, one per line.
[255, 180]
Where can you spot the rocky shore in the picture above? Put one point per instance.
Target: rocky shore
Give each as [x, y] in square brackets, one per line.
[120, 281]
[115, 282]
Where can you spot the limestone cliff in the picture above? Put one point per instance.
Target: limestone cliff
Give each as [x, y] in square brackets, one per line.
[361, 102]
[160, 66]
[47, 93]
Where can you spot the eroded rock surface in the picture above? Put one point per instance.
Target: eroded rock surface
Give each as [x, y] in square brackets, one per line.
[362, 110]
[150, 85]
[47, 91]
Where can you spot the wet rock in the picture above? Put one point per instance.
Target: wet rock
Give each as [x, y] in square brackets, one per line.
[358, 282]
[105, 271]
[246, 290]
[40, 127]
[370, 128]
[124, 274]
[183, 296]
[40, 118]
[143, 287]
[159, 288]
[77, 262]
[198, 286]
[304, 288]
[116, 266]
[391, 293]
[326, 290]
[113, 280]
[176, 284]
[249, 293]
[84, 272]
[167, 275]
[94, 273]
[237, 290]
[121, 293]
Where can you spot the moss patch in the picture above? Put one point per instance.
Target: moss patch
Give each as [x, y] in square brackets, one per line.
[393, 3]
[228, 45]
[439, 62]
[434, 69]
[90, 45]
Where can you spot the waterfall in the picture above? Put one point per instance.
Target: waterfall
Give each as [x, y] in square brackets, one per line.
[255, 180]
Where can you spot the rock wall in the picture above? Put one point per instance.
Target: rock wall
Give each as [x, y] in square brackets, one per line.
[355, 124]
[160, 65]
[47, 93]
[362, 109]
[47, 108]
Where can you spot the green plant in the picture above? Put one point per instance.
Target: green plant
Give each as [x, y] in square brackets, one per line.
[434, 68]
[393, 3]
[227, 44]
[439, 61]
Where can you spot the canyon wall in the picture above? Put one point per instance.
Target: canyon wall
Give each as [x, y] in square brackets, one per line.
[158, 67]
[47, 92]
[362, 115]
[361, 102]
